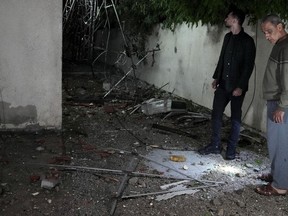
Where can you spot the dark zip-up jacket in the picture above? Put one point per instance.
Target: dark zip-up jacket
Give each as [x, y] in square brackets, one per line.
[242, 62]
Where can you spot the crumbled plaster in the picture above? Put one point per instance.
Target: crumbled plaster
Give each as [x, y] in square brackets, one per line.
[17, 115]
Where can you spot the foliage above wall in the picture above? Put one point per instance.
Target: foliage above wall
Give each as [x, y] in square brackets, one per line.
[140, 15]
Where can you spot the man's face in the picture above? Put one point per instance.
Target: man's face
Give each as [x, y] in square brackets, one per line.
[271, 31]
[229, 20]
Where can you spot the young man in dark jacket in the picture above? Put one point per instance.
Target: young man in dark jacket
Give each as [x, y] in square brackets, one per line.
[231, 78]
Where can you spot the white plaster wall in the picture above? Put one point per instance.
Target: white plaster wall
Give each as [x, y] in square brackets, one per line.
[187, 61]
[30, 59]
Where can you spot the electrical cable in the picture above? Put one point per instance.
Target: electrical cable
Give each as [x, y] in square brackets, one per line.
[123, 126]
[255, 78]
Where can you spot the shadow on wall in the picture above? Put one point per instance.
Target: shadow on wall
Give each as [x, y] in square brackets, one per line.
[215, 32]
[255, 116]
[17, 115]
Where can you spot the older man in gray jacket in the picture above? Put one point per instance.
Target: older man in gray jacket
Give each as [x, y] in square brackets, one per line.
[275, 91]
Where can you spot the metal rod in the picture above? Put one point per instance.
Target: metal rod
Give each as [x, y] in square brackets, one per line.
[177, 171]
[120, 26]
[110, 171]
[68, 10]
[131, 167]
[131, 69]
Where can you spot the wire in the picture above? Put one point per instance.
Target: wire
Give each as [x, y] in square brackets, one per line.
[120, 26]
[123, 126]
[255, 76]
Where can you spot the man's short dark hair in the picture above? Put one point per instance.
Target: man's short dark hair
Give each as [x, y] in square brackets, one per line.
[238, 14]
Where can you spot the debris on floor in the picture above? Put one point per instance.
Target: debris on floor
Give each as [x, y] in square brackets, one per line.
[84, 169]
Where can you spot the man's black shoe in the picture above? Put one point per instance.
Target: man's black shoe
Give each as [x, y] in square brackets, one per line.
[210, 149]
[230, 153]
[230, 157]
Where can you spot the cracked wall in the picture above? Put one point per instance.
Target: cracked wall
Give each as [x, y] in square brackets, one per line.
[17, 115]
[189, 70]
[187, 61]
[30, 63]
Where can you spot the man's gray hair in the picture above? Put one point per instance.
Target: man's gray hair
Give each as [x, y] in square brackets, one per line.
[274, 19]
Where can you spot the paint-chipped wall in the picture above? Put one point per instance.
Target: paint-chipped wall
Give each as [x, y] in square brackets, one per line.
[187, 61]
[30, 63]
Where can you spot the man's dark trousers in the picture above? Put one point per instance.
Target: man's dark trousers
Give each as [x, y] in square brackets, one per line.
[221, 98]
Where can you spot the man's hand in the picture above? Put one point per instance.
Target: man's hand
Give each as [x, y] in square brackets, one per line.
[237, 92]
[278, 116]
[214, 84]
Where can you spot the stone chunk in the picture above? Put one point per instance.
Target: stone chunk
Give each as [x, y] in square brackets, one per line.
[49, 183]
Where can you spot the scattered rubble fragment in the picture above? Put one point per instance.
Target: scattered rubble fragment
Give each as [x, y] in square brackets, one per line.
[49, 183]
[40, 148]
[99, 138]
